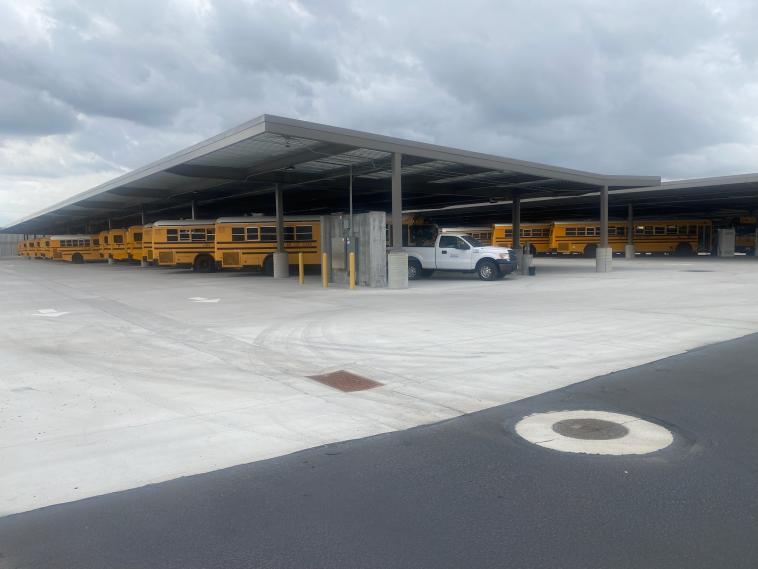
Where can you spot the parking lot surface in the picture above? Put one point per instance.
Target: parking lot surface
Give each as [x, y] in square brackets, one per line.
[468, 492]
[115, 377]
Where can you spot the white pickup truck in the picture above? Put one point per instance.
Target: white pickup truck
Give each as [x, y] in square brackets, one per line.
[460, 252]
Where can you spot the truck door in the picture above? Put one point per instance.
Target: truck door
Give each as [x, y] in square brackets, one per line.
[453, 254]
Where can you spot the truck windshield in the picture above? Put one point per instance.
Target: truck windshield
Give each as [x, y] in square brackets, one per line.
[473, 241]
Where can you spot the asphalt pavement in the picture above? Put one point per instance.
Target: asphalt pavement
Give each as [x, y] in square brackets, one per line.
[467, 492]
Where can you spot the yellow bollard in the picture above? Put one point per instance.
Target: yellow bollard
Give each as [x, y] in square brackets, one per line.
[324, 270]
[351, 265]
[301, 268]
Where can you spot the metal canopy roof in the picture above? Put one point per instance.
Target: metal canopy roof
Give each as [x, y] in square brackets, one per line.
[719, 197]
[234, 172]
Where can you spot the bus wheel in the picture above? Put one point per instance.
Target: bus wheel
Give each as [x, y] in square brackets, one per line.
[414, 269]
[77, 258]
[203, 264]
[683, 250]
[268, 266]
[590, 251]
[487, 270]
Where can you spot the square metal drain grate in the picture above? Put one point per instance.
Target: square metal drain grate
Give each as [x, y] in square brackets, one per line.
[346, 381]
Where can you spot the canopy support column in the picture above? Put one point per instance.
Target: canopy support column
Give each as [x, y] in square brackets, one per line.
[281, 259]
[604, 254]
[629, 247]
[397, 259]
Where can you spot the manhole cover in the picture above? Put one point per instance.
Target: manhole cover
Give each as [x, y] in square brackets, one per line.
[590, 429]
[346, 381]
[594, 432]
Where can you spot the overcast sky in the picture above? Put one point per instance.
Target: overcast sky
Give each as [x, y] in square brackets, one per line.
[92, 89]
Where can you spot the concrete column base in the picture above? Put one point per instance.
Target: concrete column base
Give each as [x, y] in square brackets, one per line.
[525, 263]
[519, 257]
[110, 261]
[397, 269]
[143, 263]
[603, 260]
[281, 265]
[628, 252]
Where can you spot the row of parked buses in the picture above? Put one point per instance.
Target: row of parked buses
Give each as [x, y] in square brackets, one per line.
[668, 236]
[249, 242]
[203, 245]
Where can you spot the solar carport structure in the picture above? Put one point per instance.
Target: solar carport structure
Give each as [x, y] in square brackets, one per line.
[283, 166]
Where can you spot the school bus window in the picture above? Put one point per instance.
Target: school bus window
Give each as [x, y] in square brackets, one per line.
[184, 235]
[509, 232]
[198, 235]
[672, 230]
[571, 232]
[268, 233]
[172, 235]
[138, 237]
[105, 239]
[118, 239]
[210, 235]
[660, 230]
[251, 233]
[693, 230]
[238, 233]
[96, 241]
[47, 243]
[289, 233]
[303, 233]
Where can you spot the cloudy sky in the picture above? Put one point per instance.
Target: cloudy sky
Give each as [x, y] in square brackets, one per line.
[91, 89]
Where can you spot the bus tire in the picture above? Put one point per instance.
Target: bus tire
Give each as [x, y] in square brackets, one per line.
[590, 251]
[203, 264]
[77, 258]
[414, 269]
[487, 270]
[683, 250]
[268, 266]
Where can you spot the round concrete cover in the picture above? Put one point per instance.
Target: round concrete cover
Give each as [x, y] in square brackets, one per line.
[594, 432]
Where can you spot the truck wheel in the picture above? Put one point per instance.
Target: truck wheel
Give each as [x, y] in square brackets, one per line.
[414, 269]
[487, 270]
[203, 264]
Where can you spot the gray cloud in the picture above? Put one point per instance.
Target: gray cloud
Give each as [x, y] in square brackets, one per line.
[88, 89]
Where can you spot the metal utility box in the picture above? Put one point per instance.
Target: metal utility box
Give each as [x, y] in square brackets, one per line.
[726, 242]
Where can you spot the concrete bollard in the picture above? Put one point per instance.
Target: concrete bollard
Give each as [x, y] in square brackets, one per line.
[324, 270]
[526, 263]
[300, 268]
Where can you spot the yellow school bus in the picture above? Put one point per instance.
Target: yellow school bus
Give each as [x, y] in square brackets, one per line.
[184, 243]
[74, 248]
[668, 236]
[21, 248]
[41, 247]
[483, 234]
[133, 244]
[147, 242]
[536, 234]
[250, 242]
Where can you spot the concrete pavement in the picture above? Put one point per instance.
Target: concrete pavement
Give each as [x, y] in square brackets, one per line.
[115, 377]
[468, 492]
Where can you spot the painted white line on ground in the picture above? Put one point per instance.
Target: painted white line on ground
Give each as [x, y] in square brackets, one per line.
[202, 299]
[643, 437]
[49, 313]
